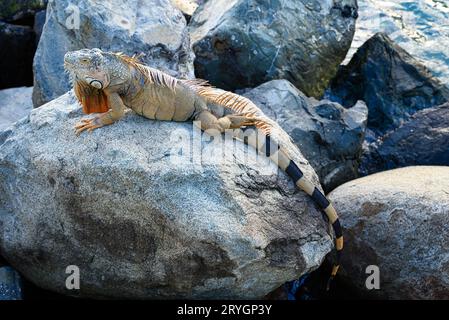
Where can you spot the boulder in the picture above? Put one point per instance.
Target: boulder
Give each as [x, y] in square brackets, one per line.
[420, 27]
[19, 10]
[397, 220]
[15, 103]
[393, 84]
[17, 47]
[244, 43]
[154, 28]
[423, 140]
[146, 211]
[329, 136]
[10, 284]
[39, 22]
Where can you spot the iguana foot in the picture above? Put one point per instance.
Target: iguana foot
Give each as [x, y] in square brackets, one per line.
[88, 124]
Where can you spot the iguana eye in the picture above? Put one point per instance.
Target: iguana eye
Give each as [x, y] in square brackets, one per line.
[85, 60]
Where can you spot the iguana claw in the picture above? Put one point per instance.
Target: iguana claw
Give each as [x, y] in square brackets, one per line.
[87, 124]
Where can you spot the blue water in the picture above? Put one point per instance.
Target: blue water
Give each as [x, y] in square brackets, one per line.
[421, 27]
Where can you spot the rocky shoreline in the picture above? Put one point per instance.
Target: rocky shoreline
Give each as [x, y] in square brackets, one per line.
[374, 130]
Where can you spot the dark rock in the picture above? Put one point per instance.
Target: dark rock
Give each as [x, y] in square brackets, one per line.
[397, 220]
[152, 27]
[17, 47]
[423, 140]
[329, 136]
[10, 284]
[244, 43]
[393, 84]
[16, 11]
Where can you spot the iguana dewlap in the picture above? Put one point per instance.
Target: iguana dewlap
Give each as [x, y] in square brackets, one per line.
[108, 83]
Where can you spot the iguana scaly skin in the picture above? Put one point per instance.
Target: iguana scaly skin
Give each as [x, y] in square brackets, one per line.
[107, 83]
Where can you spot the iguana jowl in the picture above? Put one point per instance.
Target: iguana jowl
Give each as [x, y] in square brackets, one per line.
[107, 83]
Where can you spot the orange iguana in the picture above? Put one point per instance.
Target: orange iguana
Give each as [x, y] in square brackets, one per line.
[108, 83]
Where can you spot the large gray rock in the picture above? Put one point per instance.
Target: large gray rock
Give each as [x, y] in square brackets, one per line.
[397, 220]
[243, 43]
[393, 84]
[142, 221]
[329, 136]
[15, 103]
[423, 140]
[153, 27]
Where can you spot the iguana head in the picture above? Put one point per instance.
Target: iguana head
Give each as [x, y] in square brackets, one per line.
[89, 71]
[88, 65]
[92, 71]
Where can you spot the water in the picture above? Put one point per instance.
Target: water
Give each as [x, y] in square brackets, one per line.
[421, 27]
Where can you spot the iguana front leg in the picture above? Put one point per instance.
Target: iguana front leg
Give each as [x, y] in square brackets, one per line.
[117, 109]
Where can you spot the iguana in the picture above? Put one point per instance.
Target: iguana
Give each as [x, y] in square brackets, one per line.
[107, 83]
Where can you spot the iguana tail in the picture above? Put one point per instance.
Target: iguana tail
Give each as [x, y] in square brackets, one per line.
[281, 158]
[276, 147]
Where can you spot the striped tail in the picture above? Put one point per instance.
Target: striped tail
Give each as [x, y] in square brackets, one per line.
[280, 157]
[241, 105]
